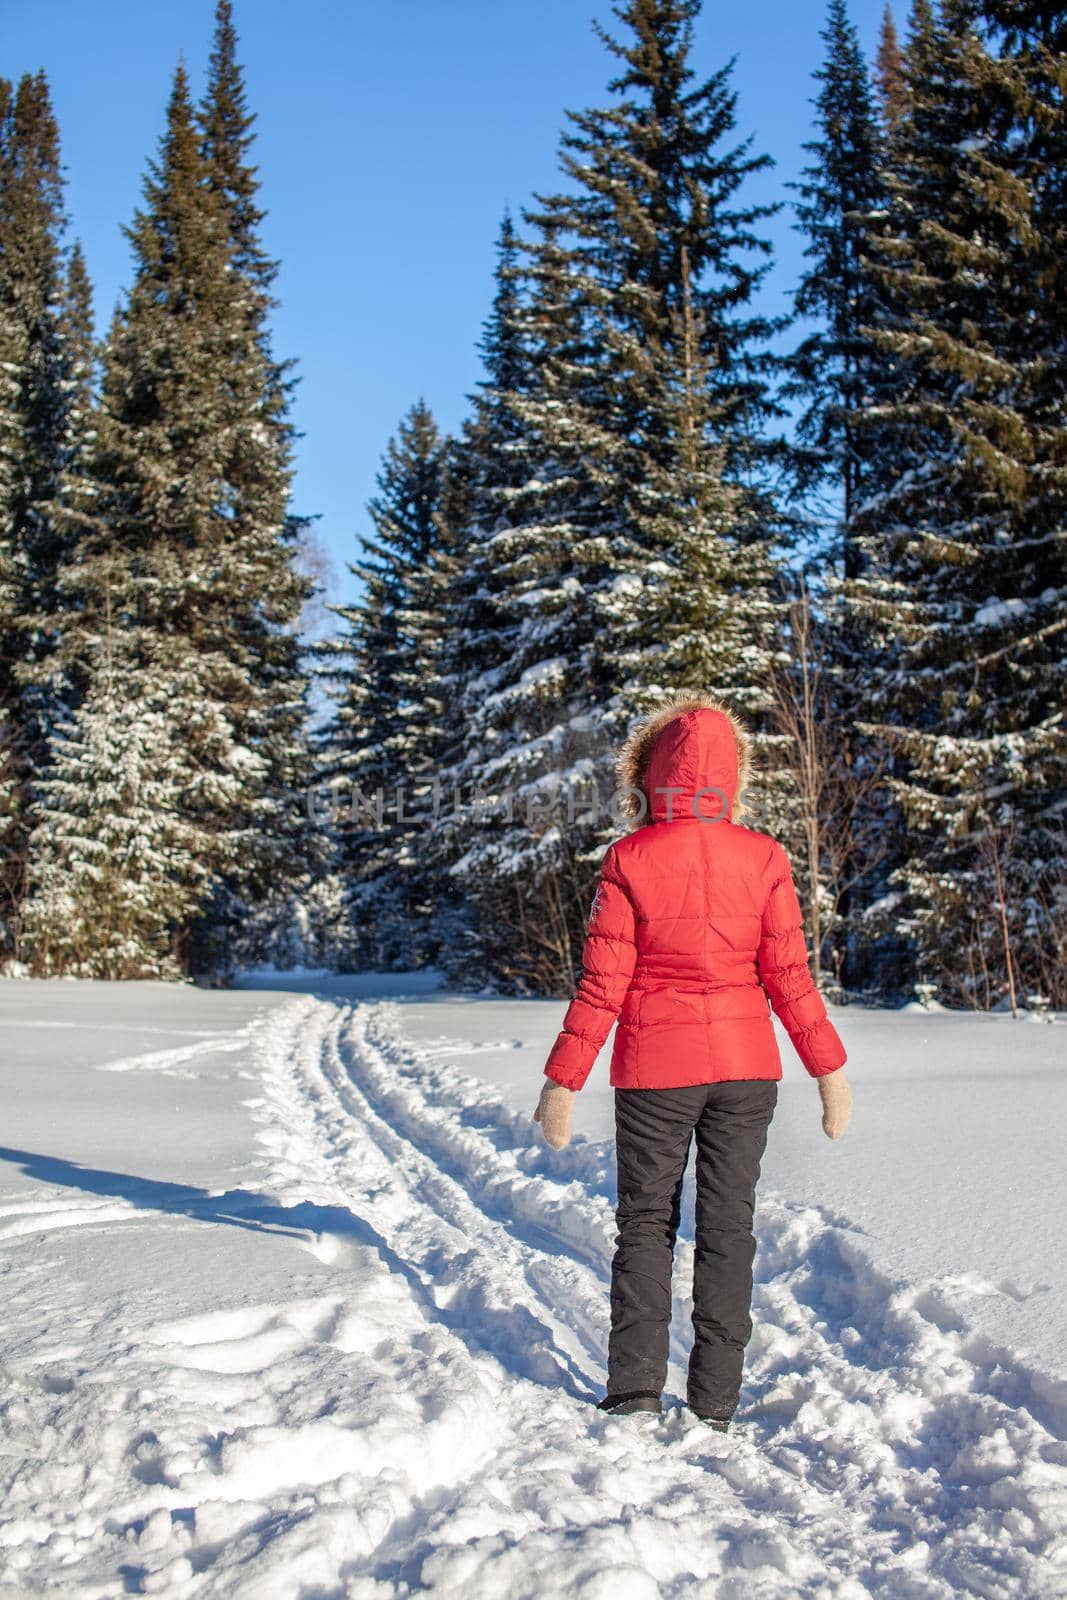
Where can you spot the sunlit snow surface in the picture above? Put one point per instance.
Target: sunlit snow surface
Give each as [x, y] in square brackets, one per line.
[294, 1304]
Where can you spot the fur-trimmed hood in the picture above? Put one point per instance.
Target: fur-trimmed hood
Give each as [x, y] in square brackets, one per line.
[687, 744]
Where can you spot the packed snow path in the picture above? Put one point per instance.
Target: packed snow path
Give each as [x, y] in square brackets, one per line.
[419, 1418]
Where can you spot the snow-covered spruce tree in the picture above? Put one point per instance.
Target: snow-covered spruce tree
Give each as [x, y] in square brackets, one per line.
[962, 534]
[384, 738]
[624, 557]
[1019, 837]
[530, 720]
[71, 510]
[189, 547]
[269, 588]
[12, 765]
[866, 606]
[80, 363]
[117, 866]
[832, 374]
[41, 417]
[453, 597]
[518, 631]
[488, 463]
[675, 253]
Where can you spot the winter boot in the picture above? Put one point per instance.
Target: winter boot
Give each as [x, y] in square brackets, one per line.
[720, 1424]
[625, 1405]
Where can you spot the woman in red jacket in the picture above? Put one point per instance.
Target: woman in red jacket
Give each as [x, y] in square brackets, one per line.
[694, 927]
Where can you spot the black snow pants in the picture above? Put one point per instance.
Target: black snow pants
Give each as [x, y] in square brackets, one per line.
[654, 1129]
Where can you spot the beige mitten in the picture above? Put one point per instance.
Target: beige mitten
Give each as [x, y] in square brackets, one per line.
[836, 1097]
[555, 1113]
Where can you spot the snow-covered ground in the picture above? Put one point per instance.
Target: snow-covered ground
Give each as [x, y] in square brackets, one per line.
[296, 1305]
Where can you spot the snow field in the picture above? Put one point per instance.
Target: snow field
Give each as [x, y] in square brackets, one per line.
[408, 1411]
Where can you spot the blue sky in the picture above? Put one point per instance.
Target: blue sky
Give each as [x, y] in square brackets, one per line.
[390, 138]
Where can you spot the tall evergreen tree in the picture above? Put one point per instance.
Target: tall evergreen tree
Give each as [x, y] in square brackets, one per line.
[669, 262]
[71, 509]
[12, 768]
[518, 631]
[257, 481]
[226, 124]
[74, 511]
[189, 548]
[227, 134]
[830, 370]
[663, 238]
[962, 534]
[515, 490]
[624, 557]
[832, 374]
[39, 416]
[385, 736]
[873, 603]
[486, 465]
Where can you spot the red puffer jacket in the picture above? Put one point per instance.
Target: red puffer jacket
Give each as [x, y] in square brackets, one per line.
[695, 925]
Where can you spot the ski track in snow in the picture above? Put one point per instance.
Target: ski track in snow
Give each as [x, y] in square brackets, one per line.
[175, 1062]
[423, 1422]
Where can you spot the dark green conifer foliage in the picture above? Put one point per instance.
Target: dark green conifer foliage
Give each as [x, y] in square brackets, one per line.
[77, 329]
[829, 373]
[269, 590]
[188, 553]
[517, 499]
[227, 140]
[963, 532]
[626, 551]
[227, 125]
[71, 509]
[385, 736]
[672, 363]
[659, 223]
[489, 466]
[39, 399]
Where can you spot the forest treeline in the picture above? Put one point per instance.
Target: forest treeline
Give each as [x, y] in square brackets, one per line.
[847, 522]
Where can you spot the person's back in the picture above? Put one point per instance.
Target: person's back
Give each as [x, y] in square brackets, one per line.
[694, 927]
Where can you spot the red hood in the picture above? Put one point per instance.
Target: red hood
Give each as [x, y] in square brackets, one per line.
[694, 751]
